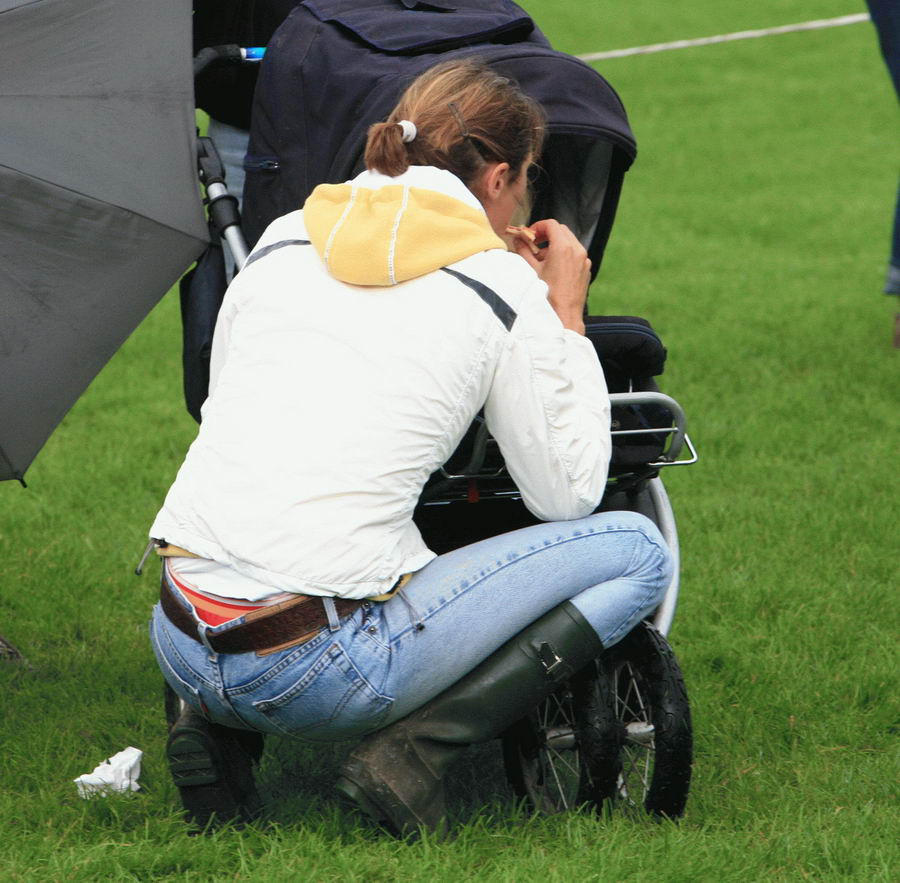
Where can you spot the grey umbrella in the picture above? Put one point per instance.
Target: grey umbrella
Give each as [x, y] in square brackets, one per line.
[99, 205]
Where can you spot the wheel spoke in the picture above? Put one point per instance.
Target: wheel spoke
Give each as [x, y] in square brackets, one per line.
[561, 711]
[630, 765]
[633, 707]
[634, 713]
[642, 706]
[559, 787]
[572, 767]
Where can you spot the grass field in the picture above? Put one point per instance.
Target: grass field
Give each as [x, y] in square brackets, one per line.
[753, 232]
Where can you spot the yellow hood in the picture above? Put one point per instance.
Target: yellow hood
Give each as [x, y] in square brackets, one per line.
[380, 231]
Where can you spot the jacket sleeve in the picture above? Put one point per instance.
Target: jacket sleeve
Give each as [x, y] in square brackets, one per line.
[548, 409]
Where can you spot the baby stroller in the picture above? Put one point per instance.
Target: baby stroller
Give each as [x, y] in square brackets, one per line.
[619, 730]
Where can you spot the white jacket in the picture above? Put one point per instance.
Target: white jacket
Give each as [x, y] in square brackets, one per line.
[331, 402]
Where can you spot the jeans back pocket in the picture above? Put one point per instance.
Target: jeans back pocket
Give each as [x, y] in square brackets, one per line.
[330, 701]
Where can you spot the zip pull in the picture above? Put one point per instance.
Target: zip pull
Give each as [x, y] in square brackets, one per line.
[153, 542]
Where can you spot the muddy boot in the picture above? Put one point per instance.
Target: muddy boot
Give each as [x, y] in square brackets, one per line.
[397, 774]
[212, 766]
[253, 742]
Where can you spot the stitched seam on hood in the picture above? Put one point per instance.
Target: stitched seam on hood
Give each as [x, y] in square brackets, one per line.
[393, 246]
[327, 252]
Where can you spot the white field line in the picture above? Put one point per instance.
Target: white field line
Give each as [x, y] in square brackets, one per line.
[728, 38]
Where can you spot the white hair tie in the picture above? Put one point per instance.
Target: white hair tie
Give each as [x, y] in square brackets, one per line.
[409, 131]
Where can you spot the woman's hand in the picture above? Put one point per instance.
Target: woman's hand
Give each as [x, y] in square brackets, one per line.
[563, 264]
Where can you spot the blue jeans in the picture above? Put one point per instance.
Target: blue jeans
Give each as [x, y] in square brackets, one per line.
[389, 658]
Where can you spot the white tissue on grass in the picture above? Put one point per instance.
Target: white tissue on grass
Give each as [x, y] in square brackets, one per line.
[117, 773]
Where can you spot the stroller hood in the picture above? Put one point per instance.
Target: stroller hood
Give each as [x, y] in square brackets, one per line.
[378, 230]
[335, 67]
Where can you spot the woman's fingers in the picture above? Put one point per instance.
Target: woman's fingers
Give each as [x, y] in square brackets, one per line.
[524, 250]
[566, 269]
[524, 235]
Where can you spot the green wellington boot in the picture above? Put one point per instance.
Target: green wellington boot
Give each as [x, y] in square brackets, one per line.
[397, 774]
[212, 766]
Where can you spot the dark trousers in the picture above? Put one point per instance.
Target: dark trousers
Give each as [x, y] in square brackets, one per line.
[886, 18]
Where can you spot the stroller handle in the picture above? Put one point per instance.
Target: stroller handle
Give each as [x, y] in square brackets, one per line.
[228, 53]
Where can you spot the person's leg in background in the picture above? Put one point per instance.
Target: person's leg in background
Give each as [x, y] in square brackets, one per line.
[886, 18]
[892, 283]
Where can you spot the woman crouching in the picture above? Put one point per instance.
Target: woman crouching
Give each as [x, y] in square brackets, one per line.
[352, 352]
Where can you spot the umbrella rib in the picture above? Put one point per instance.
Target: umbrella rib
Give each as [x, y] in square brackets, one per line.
[21, 6]
[93, 199]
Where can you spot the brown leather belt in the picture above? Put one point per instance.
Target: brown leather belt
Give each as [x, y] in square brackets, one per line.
[264, 630]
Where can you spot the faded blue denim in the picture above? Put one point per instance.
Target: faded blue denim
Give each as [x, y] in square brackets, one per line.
[389, 658]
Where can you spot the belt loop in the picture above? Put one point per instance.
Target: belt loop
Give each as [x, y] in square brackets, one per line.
[334, 624]
[201, 633]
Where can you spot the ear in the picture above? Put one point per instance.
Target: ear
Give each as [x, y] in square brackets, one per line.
[495, 179]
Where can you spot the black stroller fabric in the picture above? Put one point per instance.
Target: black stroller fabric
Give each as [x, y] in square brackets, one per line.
[335, 67]
[631, 354]
[628, 348]
[201, 291]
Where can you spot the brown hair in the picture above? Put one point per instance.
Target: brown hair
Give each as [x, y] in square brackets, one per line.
[466, 115]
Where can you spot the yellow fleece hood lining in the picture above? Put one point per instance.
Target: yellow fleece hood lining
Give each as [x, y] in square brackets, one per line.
[387, 235]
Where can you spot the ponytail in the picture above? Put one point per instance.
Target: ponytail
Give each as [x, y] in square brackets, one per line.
[385, 150]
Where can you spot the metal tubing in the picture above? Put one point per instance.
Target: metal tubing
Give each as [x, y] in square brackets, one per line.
[234, 239]
[232, 234]
[665, 521]
[620, 399]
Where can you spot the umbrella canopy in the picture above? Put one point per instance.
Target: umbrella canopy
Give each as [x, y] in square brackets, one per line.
[99, 206]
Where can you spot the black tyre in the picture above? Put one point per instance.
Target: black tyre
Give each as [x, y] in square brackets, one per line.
[619, 732]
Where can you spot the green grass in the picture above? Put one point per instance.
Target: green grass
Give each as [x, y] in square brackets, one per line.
[753, 232]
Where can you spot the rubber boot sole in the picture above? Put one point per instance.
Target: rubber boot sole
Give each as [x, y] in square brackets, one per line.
[356, 796]
[377, 800]
[213, 775]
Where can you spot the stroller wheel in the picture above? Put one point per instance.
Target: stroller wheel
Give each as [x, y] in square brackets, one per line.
[617, 733]
[543, 755]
